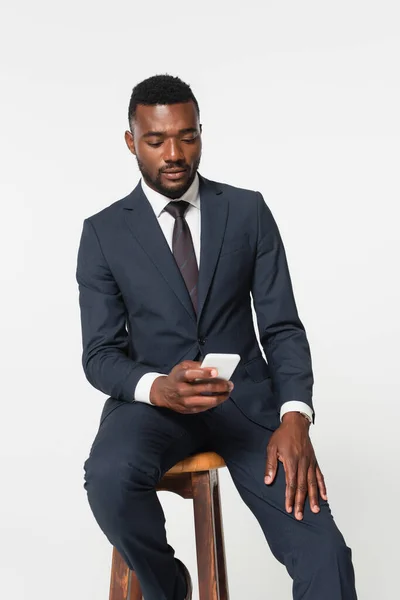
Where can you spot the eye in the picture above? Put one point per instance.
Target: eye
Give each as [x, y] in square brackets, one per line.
[154, 144]
[189, 140]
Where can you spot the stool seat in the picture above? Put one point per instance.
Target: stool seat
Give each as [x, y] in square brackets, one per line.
[203, 461]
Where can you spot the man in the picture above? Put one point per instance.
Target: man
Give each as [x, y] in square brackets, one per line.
[166, 275]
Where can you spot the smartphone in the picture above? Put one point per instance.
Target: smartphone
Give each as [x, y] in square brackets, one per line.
[224, 363]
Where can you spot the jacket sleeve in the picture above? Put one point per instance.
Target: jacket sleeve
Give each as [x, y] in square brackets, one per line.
[282, 334]
[105, 357]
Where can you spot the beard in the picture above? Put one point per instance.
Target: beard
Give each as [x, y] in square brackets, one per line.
[176, 190]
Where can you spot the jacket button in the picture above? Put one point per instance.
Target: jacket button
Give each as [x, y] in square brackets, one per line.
[202, 341]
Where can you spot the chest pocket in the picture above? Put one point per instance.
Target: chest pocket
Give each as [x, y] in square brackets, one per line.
[235, 244]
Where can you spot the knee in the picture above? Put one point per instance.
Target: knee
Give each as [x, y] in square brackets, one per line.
[323, 567]
[330, 547]
[114, 485]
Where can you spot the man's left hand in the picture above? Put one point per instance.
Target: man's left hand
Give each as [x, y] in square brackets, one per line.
[291, 444]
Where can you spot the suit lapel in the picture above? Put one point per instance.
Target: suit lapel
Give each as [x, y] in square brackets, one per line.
[214, 213]
[145, 228]
[143, 224]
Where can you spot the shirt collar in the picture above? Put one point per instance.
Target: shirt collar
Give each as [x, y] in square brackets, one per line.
[159, 202]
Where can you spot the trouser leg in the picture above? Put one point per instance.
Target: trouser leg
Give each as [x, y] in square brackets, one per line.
[313, 550]
[135, 445]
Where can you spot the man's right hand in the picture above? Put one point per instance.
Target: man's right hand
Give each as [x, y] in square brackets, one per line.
[179, 391]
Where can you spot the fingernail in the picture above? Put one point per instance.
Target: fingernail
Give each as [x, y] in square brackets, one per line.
[231, 386]
[267, 478]
[300, 515]
[316, 507]
[214, 373]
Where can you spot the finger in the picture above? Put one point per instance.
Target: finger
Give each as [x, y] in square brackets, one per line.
[204, 388]
[271, 465]
[218, 386]
[192, 374]
[290, 466]
[321, 483]
[190, 364]
[200, 403]
[313, 488]
[302, 488]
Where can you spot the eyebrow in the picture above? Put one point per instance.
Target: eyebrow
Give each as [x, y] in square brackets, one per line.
[161, 133]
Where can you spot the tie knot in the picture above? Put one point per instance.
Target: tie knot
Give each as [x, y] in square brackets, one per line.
[177, 208]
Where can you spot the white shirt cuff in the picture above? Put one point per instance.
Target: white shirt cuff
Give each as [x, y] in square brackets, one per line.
[295, 406]
[143, 387]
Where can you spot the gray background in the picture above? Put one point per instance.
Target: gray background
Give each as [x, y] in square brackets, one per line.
[299, 100]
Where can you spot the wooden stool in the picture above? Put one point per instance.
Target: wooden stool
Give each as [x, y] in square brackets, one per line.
[196, 478]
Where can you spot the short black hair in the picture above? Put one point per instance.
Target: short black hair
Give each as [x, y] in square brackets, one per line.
[160, 89]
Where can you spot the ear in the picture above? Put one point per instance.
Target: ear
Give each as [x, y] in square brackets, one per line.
[130, 142]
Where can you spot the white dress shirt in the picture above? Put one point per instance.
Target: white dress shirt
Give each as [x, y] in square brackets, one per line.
[166, 221]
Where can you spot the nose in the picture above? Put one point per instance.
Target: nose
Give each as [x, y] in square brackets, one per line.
[173, 151]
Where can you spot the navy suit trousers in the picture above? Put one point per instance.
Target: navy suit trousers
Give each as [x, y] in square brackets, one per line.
[137, 443]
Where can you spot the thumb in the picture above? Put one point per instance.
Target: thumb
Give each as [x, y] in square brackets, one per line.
[272, 464]
[190, 364]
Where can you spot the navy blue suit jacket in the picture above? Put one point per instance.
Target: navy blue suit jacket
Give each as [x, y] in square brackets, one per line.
[137, 315]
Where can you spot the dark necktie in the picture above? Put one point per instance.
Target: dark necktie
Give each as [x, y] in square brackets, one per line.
[182, 248]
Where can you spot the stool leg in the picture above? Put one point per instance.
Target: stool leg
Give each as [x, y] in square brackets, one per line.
[209, 536]
[119, 585]
[124, 583]
[219, 542]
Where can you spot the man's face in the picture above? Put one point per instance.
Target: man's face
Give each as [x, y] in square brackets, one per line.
[166, 141]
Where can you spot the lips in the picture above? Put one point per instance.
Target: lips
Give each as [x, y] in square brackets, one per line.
[175, 174]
